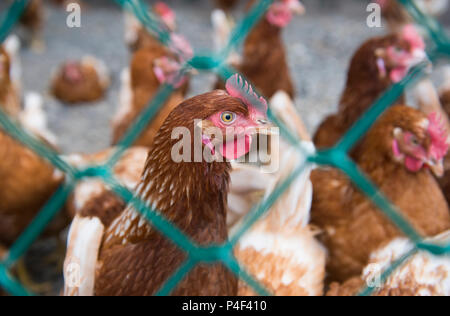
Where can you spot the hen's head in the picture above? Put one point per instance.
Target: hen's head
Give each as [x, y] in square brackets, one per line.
[72, 72]
[405, 51]
[166, 70]
[223, 121]
[412, 139]
[281, 12]
[167, 15]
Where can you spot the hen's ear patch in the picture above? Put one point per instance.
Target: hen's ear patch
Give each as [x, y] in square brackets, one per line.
[239, 88]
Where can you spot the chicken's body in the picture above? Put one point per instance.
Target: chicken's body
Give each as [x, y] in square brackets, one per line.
[84, 81]
[422, 275]
[27, 183]
[352, 226]
[143, 86]
[372, 70]
[9, 94]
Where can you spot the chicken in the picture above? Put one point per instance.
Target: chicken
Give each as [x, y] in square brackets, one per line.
[135, 259]
[9, 91]
[226, 5]
[81, 81]
[137, 37]
[397, 155]
[376, 65]
[397, 16]
[279, 250]
[264, 57]
[150, 68]
[422, 275]
[33, 19]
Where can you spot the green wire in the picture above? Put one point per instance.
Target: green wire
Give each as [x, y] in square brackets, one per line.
[337, 157]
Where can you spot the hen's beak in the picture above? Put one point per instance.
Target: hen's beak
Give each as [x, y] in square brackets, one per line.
[296, 7]
[437, 167]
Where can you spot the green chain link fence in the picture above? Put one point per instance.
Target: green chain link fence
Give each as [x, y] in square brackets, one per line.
[439, 46]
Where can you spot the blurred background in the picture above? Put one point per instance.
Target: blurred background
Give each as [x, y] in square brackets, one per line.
[319, 46]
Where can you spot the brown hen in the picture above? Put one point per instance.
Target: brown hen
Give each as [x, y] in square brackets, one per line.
[376, 65]
[81, 81]
[264, 60]
[396, 155]
[140, 85]
[9, 98]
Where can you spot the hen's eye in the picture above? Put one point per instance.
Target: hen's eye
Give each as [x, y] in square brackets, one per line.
[228, 117]
[415, 141]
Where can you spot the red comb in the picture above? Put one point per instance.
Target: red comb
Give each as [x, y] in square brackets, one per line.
[162, 9]
[239, 88]
[439, 136]
[410, 34]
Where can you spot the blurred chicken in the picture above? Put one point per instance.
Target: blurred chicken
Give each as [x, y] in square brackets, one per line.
[422, 275]
[150, 68]
[397, 155]
[9, 81]
[21, 195]
[397, 16]
[32, 19]
[279, 250]
[137, 37]
[376, 65]
[264, 56]
[84, 81]
[127, 171]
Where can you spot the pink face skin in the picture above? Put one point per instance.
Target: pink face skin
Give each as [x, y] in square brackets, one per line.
[72, 72]
[236, 133]
[403, 59]
[382, 3]
[407, 149]
[281, 12]
[166, 71]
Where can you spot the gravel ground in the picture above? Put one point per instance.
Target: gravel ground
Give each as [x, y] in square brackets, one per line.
[319, 47]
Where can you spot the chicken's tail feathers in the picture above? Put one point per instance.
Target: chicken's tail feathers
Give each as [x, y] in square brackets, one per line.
[125, 97]
[100, 67]
[12, 46]
[83, 246]
[34, 119]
